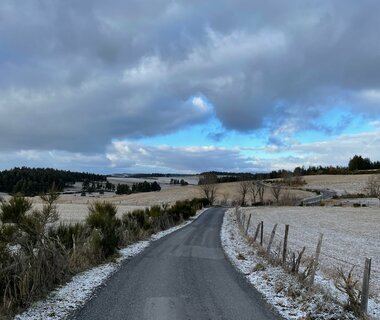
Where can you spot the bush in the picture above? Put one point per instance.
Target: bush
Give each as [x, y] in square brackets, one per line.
[69, 234]
[102, 217]
[182, 210]
[36, 256]
[14, 210]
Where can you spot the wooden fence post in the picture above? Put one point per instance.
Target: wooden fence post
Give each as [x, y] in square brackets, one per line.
[257, 231]
[271, 238]
[261, 233]
[316, 260]
[365, 287]
[249, 221]
[285, 249]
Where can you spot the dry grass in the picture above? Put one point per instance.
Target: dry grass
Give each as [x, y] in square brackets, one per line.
[74, 208]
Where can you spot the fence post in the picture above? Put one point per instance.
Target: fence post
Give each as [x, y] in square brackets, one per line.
[271, 238]
[261, 233]
[249, 221]
[257, 231]
[285, 249]
[316, 260]
[365, 287]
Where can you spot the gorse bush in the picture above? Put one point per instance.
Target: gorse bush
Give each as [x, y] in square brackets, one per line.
[37, 254]
[14, 210]
[102, 217]
[70, 234]
[31, 262]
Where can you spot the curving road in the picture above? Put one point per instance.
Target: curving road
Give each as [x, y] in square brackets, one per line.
[325, 194]
[185, 275]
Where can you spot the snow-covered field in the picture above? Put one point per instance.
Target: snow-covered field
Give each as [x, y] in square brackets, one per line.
[281, 289]
[61, 303]
[342, 184]
[368, 202]
[349, 235]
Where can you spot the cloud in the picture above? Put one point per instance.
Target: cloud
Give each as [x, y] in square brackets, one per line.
[336, 151]
[127, 156]
[80, 74]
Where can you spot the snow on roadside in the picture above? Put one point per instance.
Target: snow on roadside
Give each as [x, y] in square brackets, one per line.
[64, 300]
[282, 290]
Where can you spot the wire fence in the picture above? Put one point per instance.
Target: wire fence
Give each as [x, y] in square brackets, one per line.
[331, 257]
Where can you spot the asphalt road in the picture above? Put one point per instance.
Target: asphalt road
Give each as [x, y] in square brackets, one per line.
[184, 275]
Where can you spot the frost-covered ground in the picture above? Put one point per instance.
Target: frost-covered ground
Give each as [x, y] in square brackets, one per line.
[279, 288]
[350, 236]
[369, 202]
[71, 296]
[342, 184]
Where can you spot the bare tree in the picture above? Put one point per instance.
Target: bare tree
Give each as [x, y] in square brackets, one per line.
[373, 186]
[208, 185]
[276, 191]
[253, 188]
[260, 191]
[225, 196]
[243, 190]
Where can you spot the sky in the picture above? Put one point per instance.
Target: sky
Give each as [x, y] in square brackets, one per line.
[188, 86]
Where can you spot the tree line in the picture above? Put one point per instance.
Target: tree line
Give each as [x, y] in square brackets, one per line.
[138, 187]
[355, 164]
[34, 181]
[177, 181]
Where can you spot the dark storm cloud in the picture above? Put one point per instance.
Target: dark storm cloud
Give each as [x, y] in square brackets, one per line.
[77, 74]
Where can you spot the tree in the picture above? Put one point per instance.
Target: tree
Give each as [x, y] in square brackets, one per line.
[373, 186]
[253, 188]
[260, 191]
[183, 182]
[276, 191]
[208, 186]
[243, 190]
[359, 163]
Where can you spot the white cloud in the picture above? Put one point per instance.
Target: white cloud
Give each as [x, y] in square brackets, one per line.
[199, 103]
[127, 156]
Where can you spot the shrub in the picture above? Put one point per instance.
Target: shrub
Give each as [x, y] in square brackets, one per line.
[14, 210]
[182, 210]
[349, 285]
[69, 234]
[102, 217]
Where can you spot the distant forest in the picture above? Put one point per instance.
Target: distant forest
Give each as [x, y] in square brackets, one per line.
[156, 175]
[356, 165]
[34, 181]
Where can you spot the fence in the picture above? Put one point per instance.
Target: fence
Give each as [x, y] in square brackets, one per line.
[291, 255]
